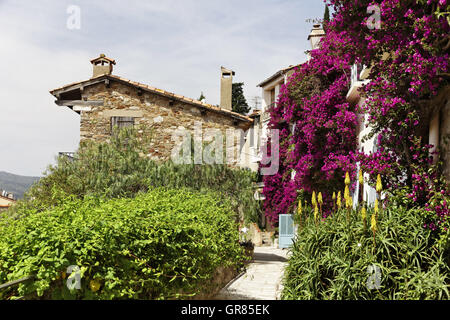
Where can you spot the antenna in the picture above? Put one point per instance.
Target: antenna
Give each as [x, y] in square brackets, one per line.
[256, 102]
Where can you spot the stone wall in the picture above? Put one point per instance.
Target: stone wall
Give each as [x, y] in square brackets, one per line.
[158, 115]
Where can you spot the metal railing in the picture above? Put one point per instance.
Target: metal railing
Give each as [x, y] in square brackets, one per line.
[69, 155]
[266, 114]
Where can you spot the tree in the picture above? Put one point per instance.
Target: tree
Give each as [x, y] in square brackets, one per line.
[239, 103]
[326, 17]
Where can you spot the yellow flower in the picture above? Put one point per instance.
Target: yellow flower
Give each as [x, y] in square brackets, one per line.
[379, 185]
[375, 208]
[313, 199]
[319, 198]
[347, 179]
[316, 213]
[339, 203]
[334, 195]
[364, 213]
[361, 177]
[349, 202]
[299, 209]
[346, 193]
[94, 285]
[373, 223]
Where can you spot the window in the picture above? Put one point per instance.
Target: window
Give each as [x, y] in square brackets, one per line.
[121, 122]
[272, 96]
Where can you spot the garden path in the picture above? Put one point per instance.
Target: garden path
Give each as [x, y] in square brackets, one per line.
[262, 279]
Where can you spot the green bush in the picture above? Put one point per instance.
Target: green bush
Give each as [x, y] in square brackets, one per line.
[119, 169]
[163, 244]
[330, 260]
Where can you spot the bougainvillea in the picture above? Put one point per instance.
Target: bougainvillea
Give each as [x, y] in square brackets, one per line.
[408, 56]
[409, 60]
[317, 130]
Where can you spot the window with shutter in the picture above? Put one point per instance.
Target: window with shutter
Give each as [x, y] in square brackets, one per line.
[121, 122]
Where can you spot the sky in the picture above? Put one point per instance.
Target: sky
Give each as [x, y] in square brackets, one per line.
[175, 45]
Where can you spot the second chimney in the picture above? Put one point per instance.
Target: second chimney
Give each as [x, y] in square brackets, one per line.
[226, 85]
[316, 34]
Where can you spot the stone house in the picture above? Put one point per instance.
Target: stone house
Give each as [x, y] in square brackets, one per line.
[106, 100]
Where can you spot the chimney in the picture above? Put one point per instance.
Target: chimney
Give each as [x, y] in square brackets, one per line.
[226, 84]
[102, 65]
[316, 34]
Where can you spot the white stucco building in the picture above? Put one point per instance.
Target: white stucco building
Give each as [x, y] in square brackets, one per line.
[436, 126]
[359, 75]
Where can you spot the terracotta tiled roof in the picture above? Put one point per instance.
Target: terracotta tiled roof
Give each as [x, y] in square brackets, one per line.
[154, 90]
[103, 57]
[255, 113]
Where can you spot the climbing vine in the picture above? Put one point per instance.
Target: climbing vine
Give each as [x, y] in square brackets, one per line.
[408, 59]
[317, 129]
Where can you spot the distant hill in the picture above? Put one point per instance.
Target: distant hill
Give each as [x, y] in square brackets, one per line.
[16, 184]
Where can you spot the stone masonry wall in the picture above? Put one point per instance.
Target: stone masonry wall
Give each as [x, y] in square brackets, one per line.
[153, 111]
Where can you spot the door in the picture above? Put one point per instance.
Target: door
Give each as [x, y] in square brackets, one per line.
[286, 230]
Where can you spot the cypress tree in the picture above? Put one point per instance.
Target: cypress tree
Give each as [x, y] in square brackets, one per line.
[326, 17]
[239, 103]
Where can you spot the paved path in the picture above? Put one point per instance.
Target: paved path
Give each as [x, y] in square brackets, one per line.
[262, 280]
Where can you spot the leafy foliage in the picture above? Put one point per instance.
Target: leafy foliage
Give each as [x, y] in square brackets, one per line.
[118, 169]
[330, 260]
[163, 244]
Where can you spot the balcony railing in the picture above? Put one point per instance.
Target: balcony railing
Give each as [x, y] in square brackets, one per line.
[266, 114]
[265, 117]
[69, 155]
[358, 77]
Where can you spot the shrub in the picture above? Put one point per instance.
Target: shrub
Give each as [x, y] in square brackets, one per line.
[119, 169]
[330, 260]
[163, 244]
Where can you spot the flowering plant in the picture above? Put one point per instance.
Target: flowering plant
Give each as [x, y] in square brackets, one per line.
[408, 59]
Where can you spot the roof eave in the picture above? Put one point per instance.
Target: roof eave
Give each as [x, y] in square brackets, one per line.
[277, 74]
[170, 95]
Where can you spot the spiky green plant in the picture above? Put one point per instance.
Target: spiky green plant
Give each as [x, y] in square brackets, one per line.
[331, 260]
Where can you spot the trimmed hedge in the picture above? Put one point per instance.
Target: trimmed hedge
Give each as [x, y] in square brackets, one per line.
[331, 260]
[164, 244]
